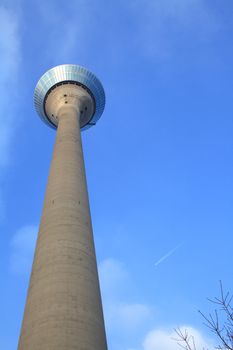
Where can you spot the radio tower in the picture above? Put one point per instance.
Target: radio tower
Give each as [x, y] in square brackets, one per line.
[63, 309]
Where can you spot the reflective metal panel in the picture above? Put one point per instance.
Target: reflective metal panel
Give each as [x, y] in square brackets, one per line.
[75, 73]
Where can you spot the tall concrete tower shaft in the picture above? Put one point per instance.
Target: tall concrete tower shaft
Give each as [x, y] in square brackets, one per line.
[63, 308]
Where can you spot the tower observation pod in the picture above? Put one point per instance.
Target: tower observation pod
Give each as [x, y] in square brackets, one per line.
[63, 308]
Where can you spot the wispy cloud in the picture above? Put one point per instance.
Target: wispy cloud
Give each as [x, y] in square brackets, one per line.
[169, 28]
[126, 317]
[164, 257]
[10, 58]
[22, 249]
[131, 323]
[68, 31]
[113, 275]
[122, 316]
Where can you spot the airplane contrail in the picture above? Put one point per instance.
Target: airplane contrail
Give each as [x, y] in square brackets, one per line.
[167, 255]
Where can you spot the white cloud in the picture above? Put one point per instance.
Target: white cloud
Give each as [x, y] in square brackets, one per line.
[160, 339]
[22, 249]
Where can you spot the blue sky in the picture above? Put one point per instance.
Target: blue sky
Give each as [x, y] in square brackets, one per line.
[159, 162]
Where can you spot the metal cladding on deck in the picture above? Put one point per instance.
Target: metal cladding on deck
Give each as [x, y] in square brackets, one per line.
[72, 73]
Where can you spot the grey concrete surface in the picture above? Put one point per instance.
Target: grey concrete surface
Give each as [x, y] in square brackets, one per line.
[63, 309]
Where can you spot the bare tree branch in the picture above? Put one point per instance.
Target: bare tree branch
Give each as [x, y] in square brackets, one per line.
[184, 340]
[219, 321]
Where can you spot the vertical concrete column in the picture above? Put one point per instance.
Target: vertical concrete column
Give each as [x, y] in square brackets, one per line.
[63, 308]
